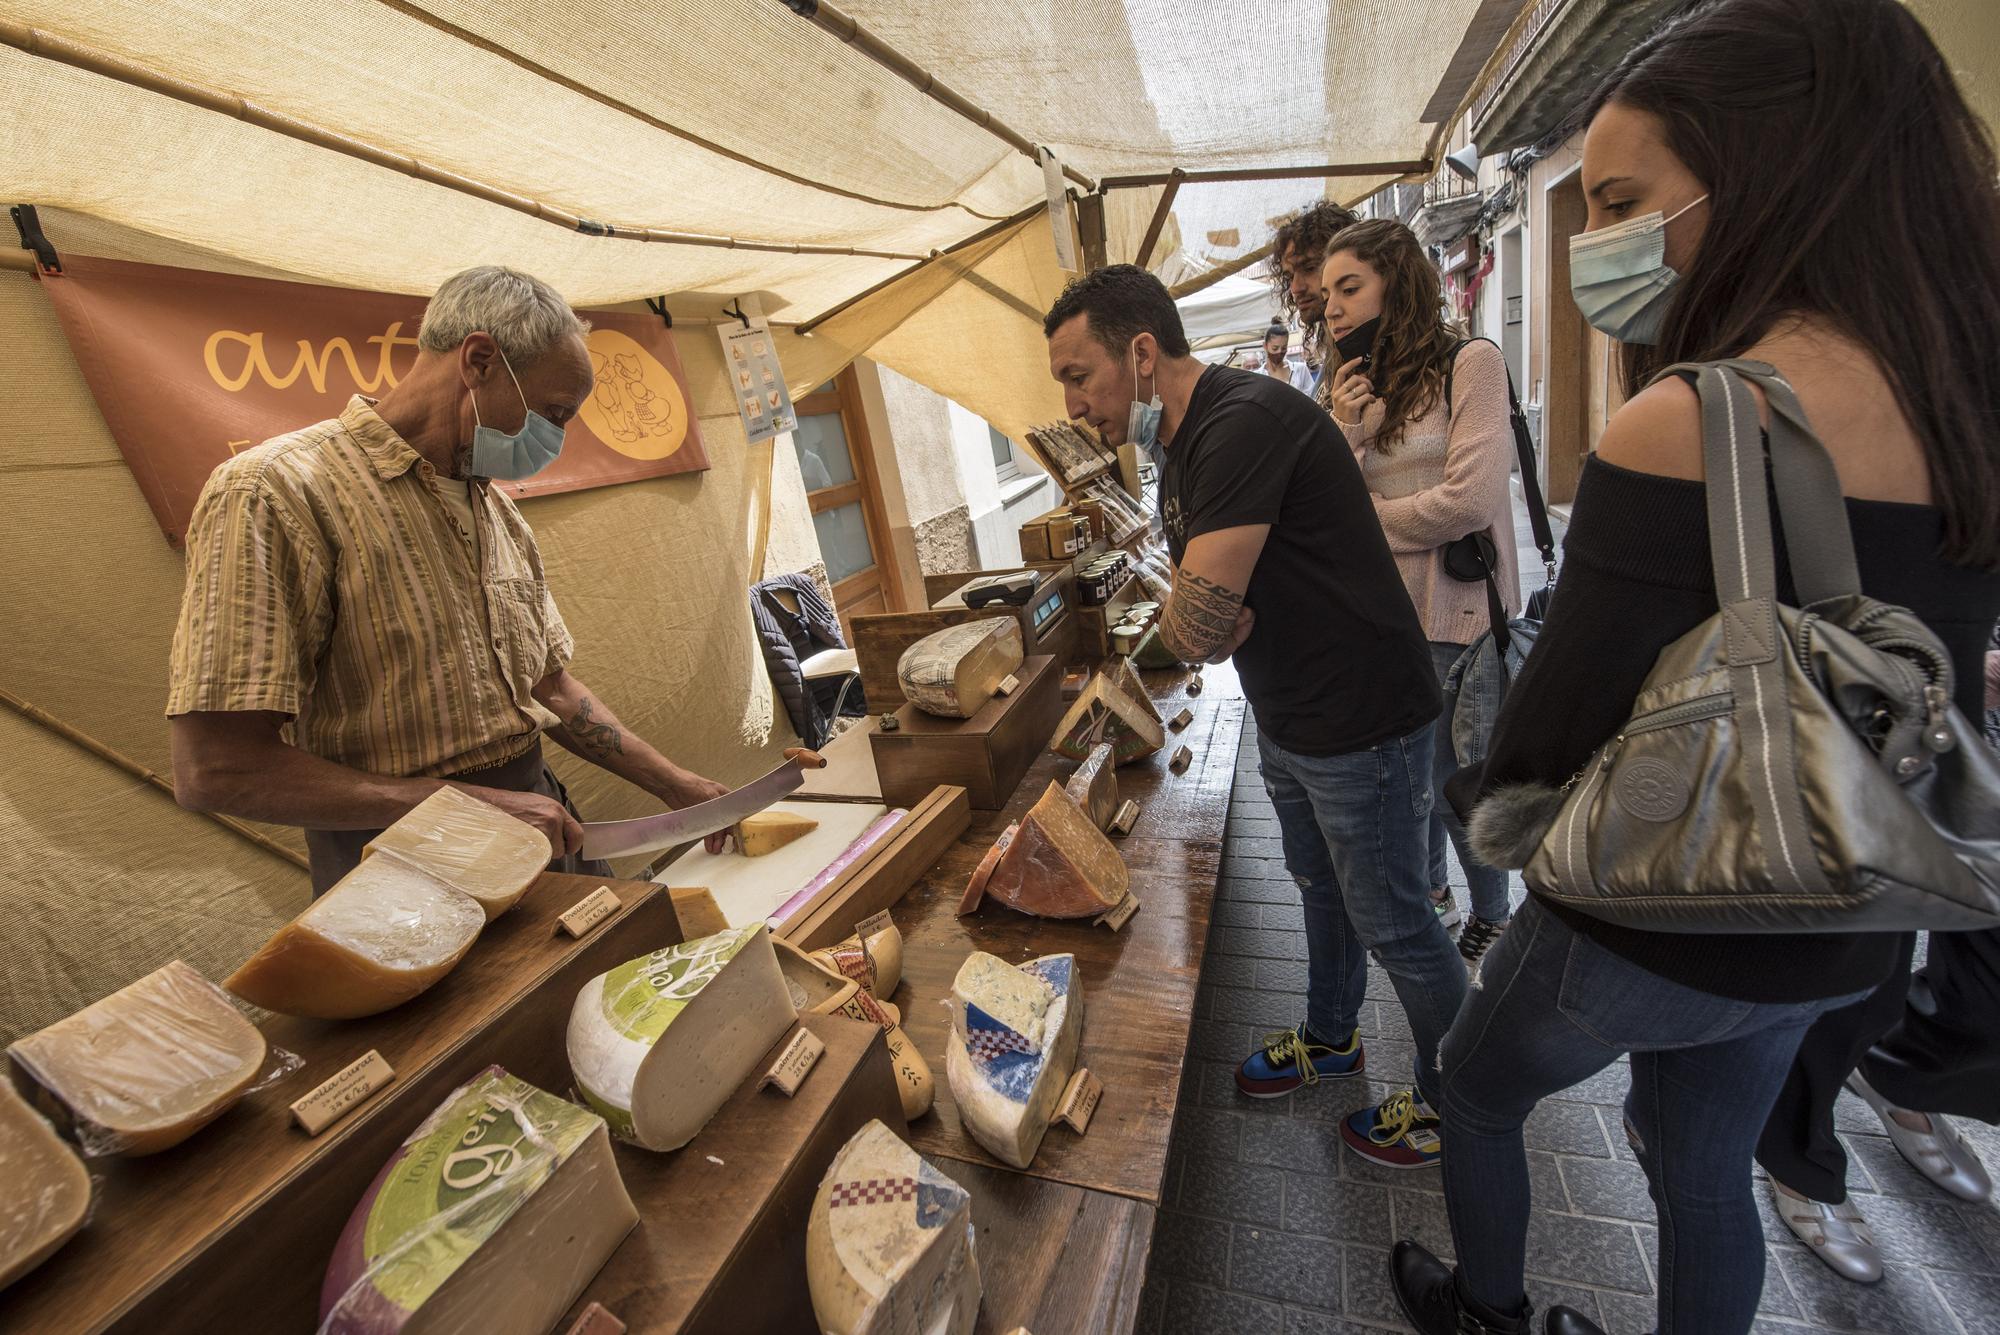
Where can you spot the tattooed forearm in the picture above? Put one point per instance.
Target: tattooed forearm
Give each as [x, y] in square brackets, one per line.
[1200, 617]
[598, 739]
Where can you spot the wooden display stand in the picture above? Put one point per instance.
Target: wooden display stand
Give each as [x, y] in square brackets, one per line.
[1091, 641]
[721, 1242]
[880, 879]
[987, 753]
[232, 1229]
[880, 639]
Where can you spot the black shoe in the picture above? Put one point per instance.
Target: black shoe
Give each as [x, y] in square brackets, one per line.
[1569, 1321]
[1428, 1294]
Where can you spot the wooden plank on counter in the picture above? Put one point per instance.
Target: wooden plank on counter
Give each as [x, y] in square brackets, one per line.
[232, 1229]
[1054, 1258]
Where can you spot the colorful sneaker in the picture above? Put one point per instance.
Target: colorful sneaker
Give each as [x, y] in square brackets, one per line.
[1445, 905]
[1478, 937]
[1402, 1133]
[1292, 1057]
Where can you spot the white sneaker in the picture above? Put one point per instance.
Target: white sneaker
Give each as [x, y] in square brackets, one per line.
[1836, 1234]
[1940, 1154]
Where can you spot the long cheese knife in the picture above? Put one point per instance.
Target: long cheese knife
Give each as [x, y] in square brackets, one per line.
[615, 838]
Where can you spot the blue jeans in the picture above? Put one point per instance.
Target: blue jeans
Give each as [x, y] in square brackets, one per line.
[1354, 830]
[1552, 1008]
[1487, 885]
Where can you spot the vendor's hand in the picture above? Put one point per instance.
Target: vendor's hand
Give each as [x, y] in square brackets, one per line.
[1246, 621]
[1352, 393]
[691, 790]
[546, 814]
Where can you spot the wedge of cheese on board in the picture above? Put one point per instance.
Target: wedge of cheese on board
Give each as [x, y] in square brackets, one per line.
[769, 831]
[1094, 786]
[472, 846]
[148, 1066]
[492, 1217]
[1055, 864]
[1106, 712]
[889, 1243]
[1014, 1034]
[46, 1194]
[661, 1042]
[956, 670]
[816, 988]
[381, 936]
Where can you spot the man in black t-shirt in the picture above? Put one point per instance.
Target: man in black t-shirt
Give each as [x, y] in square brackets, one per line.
[1280, 562]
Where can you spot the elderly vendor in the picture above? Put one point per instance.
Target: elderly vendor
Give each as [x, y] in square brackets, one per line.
[362, 584]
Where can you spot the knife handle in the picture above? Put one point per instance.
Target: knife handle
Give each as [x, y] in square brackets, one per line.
[804, 758]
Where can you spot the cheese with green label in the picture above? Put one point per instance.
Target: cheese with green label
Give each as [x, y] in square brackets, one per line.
[381, 936]
[1013, 1041]
[46, 1193]
[492, 1217]
[889, 1243]
[955, 671]
[660, 1042]
[472, 846]
[1055, 864]
[148, 1066]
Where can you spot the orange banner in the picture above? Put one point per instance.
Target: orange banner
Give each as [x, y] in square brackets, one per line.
[190, 367]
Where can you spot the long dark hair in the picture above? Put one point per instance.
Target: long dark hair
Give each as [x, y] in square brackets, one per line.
[1413, 349]
[1847, 179]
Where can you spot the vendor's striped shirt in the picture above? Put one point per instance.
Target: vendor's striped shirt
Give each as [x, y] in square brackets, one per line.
[328, 579]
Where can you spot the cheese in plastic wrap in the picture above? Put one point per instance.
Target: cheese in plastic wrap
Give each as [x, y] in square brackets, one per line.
[472, 846]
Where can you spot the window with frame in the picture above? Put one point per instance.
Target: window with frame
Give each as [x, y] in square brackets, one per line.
[1005, 466]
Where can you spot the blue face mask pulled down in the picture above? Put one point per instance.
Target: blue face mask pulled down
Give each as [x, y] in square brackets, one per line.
[1142, 423]
[497, 455]
[1620, 277]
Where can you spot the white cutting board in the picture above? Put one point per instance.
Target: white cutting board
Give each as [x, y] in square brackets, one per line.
[750, 890]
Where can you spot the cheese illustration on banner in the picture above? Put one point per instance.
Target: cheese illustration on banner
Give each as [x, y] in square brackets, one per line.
[816, 989]
[381, 936]
[889, 1243]
[47, 1190]
[955, 671]
[1014, 1035]
[1094, 786]
[769, 831]
[660, 1042]
[1106, 712]
[472, 846]
[492, 1217]
[148, 1066]
[1055, 864]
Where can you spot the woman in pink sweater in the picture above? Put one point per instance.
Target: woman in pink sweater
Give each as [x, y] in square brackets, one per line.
[1437, 472]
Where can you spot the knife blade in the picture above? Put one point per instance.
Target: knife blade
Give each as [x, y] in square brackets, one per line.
[616, 838]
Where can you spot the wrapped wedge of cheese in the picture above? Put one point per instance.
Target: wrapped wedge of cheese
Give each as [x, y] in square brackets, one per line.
[46, 1196]
[953, 672]
[1014, 1035]
[1107, 712]
[148, 1066]
[492, 1217]
[472, 846]
[661, 1042]
[889, 1243]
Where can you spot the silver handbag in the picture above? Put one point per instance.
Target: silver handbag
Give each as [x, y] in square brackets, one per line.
[1784, 769]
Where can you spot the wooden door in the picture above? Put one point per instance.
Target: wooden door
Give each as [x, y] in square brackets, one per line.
[1566, 404]
[837, 462]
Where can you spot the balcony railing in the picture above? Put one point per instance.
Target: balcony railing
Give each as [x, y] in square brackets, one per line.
[1544, 14]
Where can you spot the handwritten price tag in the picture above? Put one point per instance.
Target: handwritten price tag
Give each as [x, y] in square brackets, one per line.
[589, 911]
[340, 1094]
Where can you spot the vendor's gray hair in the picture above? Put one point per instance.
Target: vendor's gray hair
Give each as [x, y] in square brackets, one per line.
[524, 315]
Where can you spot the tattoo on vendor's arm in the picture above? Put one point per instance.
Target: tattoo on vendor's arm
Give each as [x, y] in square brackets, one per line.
[599, 739]
[1200, 617]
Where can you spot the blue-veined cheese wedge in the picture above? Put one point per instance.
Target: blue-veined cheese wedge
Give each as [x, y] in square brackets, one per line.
[1014, 1034]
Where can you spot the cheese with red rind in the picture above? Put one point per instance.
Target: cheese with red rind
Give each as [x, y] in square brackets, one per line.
[953, 672]
[46, 1198]
[1058, 864]
[1094, 786]
[148, 1066]
[975, 889]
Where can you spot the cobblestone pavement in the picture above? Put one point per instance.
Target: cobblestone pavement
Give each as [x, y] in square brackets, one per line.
[1270, 1225]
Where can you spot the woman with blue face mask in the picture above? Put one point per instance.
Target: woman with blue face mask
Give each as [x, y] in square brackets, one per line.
[1797, 182]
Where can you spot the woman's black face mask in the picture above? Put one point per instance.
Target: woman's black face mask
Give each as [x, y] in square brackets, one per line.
[1358, 342]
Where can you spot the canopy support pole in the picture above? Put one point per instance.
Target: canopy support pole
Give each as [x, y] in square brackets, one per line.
[1159, 222]
[807, 326]
[1415, 167]
[829, 19]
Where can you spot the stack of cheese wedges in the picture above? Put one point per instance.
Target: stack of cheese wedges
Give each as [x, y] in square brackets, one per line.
[492, 1217]
[953, 672]
[403, 918]
[44, 1190]
[148, 1066]
[889, 1245]
[1014, 1033]
[1115, 708]
[1054, 863]
[659, 1043]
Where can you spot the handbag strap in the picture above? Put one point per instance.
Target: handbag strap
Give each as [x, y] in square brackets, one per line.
[1524, 449]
